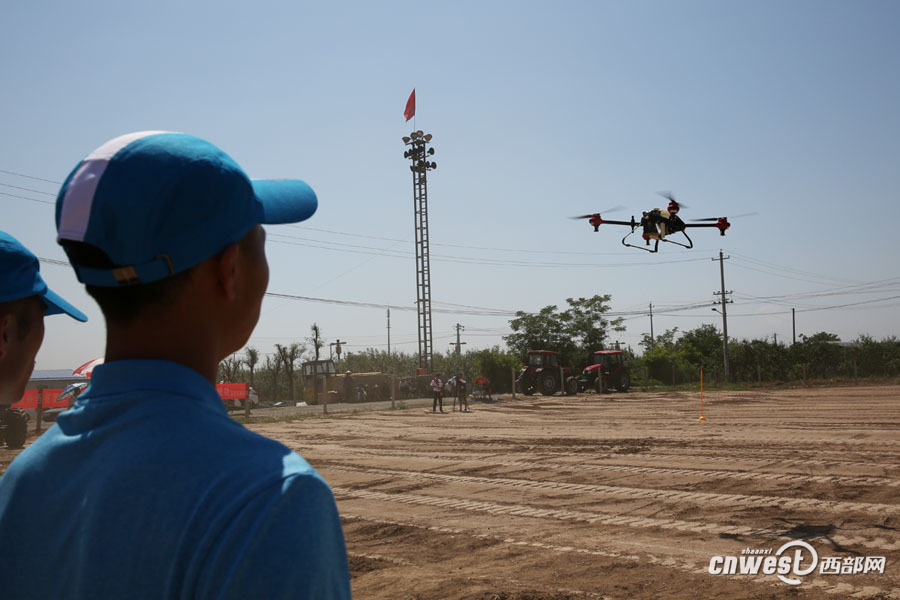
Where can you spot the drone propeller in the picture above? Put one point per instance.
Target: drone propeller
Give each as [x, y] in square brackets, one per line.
[671, 198]
[609, 210]
[734, 217]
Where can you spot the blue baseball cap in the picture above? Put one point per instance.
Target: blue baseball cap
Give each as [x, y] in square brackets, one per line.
[157, 203]
[20, 277]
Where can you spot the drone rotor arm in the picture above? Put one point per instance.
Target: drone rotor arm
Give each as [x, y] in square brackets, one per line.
[721, 223]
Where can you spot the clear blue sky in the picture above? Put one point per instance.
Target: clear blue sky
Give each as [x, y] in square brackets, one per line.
[539, 111]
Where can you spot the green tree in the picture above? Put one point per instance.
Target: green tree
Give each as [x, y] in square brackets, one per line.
[820, 353]
[540, 331]
[316, 339]
[585, 323]
[667, 338]
[497, 365]
[251, 359]
[371, 360]
[574, 332]
[671, 359]
[270, 387]
[702, 346]
[288, 355]
[230, 369]
[876, 359]
[759, 360]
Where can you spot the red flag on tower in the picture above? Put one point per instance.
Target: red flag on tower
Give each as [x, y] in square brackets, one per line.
[410, 111]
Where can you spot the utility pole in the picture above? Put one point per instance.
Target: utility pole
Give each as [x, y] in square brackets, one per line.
[652, 342]
[725, 302]
[458, 343]
[389, 331]
[336, 345]
[775, 335]
[794, 325]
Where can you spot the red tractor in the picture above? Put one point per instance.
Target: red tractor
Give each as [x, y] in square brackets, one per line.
[607, 369]
[543, 374]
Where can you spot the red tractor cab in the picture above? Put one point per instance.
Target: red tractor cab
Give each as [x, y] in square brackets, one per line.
[607, 369]
[543, 374]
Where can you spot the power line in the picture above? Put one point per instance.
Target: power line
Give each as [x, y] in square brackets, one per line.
[27, 189]
[389, 252]
[26, 198]
[871, 287]
[30, 177]
[496, 312]
[333, 232]
[791, 277]
[482, 313]
[465, 246]
[790, 269]
[849, 305]
[471, 261]
[787, 312]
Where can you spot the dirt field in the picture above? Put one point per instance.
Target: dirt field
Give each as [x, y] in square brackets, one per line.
[628, 496]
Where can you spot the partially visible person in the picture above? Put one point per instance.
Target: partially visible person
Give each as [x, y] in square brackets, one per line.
[480, 387]
[450, 390]
[24, 302]
[165, 496]
[437, 388]
[461, 393]
[348, 387]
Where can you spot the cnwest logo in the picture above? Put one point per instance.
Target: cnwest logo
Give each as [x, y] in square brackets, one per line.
[802, 561]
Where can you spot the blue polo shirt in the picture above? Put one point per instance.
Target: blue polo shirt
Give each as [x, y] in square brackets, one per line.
[147, 489]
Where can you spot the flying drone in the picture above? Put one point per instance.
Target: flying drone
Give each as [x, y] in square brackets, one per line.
[659, 224]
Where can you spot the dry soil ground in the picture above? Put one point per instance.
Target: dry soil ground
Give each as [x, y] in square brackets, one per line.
[628, 496]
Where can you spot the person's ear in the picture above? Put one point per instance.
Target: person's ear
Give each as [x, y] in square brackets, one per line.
[227, 270]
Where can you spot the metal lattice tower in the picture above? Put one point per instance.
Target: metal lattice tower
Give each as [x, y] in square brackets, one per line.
[419, 153]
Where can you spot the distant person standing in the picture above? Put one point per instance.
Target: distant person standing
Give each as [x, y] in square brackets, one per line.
[437, 388]
[450, 389]
[461, 393]
[348, 387]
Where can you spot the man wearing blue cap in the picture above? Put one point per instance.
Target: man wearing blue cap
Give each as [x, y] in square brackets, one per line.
[24, 301]
[146, 488]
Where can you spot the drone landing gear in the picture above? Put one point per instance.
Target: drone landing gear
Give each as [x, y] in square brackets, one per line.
[689, 245]
[626, 244]
[655, 248]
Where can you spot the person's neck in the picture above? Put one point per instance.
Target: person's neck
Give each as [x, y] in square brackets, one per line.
[186, 343]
